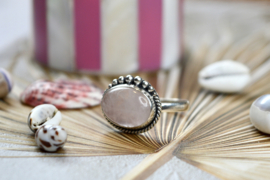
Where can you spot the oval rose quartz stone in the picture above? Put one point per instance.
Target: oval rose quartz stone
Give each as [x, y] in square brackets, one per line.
[126, 106]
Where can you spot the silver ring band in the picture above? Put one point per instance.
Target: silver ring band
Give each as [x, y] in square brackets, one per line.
[173, 104]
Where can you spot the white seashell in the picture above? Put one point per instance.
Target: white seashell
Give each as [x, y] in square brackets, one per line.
[51, 137]
[259, 113]
[6, 83]
[225, 76]
[42, 115]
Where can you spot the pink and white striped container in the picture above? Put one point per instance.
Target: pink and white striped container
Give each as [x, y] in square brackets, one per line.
[108, 36]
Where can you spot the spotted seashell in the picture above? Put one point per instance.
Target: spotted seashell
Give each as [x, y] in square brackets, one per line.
[6, 83]
[225, 76]
[51, 137]
[64, 94]
[42, 115]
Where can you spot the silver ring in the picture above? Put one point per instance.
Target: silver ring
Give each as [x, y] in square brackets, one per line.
[132, 105]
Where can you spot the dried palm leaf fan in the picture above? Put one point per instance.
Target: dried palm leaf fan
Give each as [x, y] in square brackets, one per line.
[214, 135]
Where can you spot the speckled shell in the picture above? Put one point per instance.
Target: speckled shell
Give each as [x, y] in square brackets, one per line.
[51, 137]
[64, 94]
[42, 115]
[259, 113]
[225, 76]
[6, 83]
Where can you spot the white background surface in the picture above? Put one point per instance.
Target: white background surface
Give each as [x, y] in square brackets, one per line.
[106, 167]
[15, 22]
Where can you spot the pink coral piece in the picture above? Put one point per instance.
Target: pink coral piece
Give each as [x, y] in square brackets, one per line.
[64, 94]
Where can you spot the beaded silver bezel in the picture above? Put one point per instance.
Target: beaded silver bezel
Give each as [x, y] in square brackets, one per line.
[139, 84]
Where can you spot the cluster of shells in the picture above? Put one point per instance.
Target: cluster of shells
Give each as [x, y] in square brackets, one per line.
[44, 121]
[141, 84]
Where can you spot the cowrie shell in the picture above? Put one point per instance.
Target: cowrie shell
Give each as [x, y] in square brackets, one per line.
[225, 76]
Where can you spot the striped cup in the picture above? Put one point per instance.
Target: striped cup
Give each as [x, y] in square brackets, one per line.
[108, 36]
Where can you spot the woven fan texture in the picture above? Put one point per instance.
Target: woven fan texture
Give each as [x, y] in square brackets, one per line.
[215, 134]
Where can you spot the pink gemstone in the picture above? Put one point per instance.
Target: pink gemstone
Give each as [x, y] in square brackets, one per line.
[126, 106]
